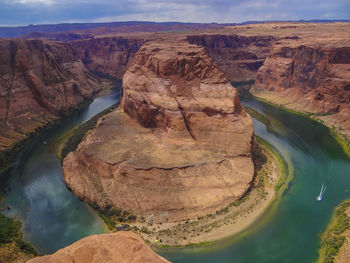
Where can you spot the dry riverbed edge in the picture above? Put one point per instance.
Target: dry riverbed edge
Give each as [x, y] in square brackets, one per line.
[335, 240]
[227, 221]
[336, 132]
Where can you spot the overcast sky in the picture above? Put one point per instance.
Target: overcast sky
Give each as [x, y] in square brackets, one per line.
[24, 12]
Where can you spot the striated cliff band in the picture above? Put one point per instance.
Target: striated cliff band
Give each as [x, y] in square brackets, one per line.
[179, 147]
[239, 57]
[118, 247]
[313, 79]
[310, 73]
[40, 81]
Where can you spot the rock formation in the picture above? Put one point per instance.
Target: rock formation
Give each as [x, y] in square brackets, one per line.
[38, 83]
[310, 78]
[239, 57]
[42, 80]
[107, 248]
[108, 55]
[180, 147]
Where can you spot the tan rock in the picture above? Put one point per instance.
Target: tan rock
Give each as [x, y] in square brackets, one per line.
[121, 247]
[185, 151]
[311, 78]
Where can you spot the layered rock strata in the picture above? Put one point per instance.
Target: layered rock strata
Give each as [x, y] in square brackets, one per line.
[39, 82]
[309, 78]
[120, 247]
[108, 55]
[179, 147]
[239, 57]
[42, 80]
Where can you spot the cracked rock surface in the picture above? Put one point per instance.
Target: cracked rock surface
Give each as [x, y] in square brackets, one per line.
[179, 147]
[120, 247]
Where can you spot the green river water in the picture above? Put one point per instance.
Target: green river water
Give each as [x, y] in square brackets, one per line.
[288, 232]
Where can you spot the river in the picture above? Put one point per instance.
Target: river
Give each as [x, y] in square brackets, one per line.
[287, 232]
[52, 217]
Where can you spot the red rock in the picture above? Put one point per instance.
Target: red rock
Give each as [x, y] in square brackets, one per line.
[239, 57]
[183, 148]
[311, 78]
[109, 55]
[38, 83]
[121, 247]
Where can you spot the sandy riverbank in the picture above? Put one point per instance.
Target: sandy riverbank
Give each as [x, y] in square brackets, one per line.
[227, 221]
[332, 121]
[335, 240]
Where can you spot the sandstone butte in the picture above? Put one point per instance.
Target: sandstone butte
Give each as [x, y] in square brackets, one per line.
[121, 247]
[303, 66]
[179, 147]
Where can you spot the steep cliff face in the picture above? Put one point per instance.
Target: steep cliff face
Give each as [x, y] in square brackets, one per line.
[120, 247]
[109, 55]
[239, 57]
[313, 79]
[179, 148]
[38, 83]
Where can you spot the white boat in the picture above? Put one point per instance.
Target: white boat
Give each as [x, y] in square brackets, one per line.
[319, 197]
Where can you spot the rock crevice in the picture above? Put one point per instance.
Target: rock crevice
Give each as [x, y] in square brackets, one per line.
[180, 145]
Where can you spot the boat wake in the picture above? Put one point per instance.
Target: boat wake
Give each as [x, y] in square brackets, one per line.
[319, 197]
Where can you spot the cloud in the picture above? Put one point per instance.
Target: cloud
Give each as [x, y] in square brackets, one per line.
[20, 12]
[31, 2]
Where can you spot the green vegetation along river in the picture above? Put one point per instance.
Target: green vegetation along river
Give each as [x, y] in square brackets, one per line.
[52, 217]
[288, 232]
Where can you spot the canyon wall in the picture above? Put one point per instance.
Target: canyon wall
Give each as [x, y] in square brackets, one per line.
[123, 247]
[179, 147]
[239, 57]
[42, 80]
[108, 55]
[39, 82]
[309, 78]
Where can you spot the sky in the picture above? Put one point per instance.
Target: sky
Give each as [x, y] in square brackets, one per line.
[24, 12]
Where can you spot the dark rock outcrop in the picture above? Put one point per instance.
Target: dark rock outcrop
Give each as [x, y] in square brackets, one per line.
[108, 55]
[239, 57]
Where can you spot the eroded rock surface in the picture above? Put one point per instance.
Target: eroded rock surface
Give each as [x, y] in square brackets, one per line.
[38, 83]
[310, 78]
[123, 247]
[239, 57]
[179, 147]
[107, 55]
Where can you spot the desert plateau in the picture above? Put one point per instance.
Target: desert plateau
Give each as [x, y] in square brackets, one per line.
[125, 140]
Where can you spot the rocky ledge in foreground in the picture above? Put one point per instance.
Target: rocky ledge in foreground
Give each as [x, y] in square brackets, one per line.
[118, 247]
[179, 147]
